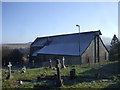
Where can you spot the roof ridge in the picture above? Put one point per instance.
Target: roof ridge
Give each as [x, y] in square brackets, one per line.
[70, 34]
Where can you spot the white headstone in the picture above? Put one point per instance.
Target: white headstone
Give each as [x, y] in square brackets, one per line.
[9, 69]
[50, 63]
[24, 69]
[63, 63]
[20, 82]
[9, 65]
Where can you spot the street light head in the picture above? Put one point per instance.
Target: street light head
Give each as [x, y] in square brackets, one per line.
[78, 25]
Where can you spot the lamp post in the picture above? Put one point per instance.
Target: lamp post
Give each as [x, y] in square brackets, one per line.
[78, 27]
[79, 41]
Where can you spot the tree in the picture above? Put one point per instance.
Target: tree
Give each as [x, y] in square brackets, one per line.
[5, 55]
[114, 51]
[16, 56]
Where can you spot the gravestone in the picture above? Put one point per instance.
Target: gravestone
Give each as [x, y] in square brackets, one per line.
[97, 75]
[50, 62]
[9, 71]
[20, 82]
[24, 69]
[63, 63]
[59, 80]
[72, 74]
[33, 63]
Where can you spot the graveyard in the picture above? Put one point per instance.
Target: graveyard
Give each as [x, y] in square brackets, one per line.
[98, 75]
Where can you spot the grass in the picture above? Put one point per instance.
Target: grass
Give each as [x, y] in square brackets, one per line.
[86, 75]
[90, 85]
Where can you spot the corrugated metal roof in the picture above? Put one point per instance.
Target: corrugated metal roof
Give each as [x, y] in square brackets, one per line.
[66, 44]
[39, 42]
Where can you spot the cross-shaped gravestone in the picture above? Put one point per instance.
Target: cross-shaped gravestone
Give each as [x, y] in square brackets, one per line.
[9, 71]
[59, 80]
[63, 62]
[50, 63]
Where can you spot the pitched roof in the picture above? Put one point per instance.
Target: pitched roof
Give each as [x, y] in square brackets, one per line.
[67, 44]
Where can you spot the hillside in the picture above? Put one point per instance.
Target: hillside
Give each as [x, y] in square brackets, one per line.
[99, 75]
[17, 45]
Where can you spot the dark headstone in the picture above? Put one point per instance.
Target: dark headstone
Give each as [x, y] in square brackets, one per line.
[33, 64]
[97, 75]
[72, 74]
[40, 77]
[12, 71]
[55, 75]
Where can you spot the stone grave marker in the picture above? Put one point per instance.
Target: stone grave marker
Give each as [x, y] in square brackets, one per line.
[24, 69]
[50, 62]
[20, 82]
[9, 71]
[63, 63]
[59, 80]
[72, 73]
[33, 63]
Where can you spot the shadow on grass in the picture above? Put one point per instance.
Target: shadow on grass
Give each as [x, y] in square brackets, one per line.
[117, 86]
[103, 71]
[109, 71]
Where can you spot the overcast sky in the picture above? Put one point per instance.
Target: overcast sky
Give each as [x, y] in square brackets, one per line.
[24, 21]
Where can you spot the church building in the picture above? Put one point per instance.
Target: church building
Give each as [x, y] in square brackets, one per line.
[75, 48]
